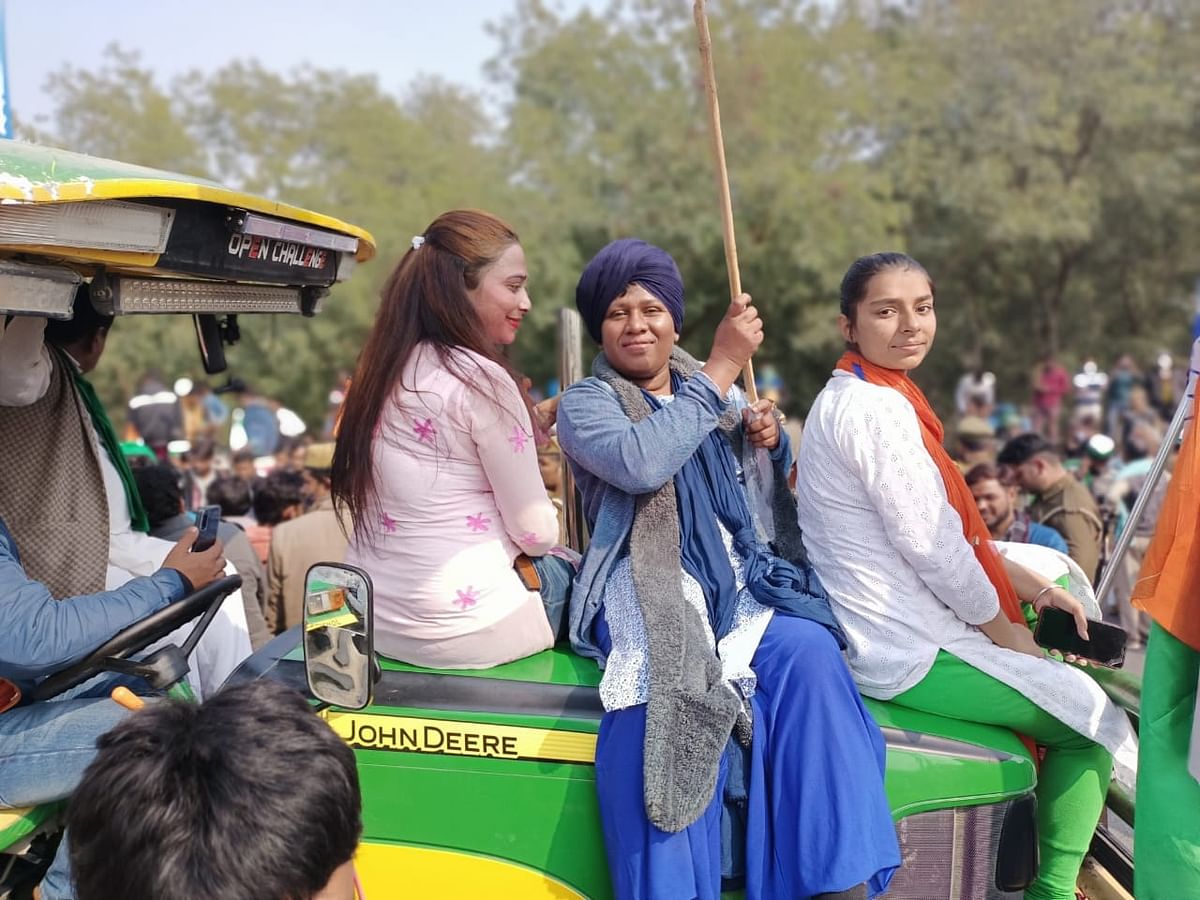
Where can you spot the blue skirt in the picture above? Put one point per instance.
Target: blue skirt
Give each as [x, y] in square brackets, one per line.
[817, 816]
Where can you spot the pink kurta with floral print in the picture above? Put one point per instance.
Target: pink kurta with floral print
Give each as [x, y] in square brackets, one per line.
[460, 496]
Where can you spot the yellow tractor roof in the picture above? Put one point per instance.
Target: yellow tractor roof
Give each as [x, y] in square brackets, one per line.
[30, 173]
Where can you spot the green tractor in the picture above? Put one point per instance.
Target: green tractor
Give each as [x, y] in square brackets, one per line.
[481, 782]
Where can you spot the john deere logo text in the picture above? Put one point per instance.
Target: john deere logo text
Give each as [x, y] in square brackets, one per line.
[456, 738]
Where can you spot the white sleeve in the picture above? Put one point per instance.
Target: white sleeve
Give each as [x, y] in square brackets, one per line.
[883, 444]
[24, 361]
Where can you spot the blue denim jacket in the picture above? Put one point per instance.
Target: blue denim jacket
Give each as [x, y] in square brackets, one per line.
[614, 459]
[40, 635]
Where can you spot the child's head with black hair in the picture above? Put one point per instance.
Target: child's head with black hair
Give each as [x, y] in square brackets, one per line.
[248, 795]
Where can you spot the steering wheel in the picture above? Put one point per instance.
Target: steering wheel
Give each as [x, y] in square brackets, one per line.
[141, 634]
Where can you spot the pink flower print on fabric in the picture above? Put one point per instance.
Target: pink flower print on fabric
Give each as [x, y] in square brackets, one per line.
[466, 599]
[478, 523]
[388, 523]
[424, 430]
[518, 439]
[529, 538]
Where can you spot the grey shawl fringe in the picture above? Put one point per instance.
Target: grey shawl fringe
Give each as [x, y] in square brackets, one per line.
[691, 711]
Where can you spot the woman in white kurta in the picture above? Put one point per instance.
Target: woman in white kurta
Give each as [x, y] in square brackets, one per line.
[924, 608]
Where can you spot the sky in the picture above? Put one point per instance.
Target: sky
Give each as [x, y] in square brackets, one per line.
[393, 39]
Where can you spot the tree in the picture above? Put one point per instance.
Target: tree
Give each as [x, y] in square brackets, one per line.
[1039, 159]
[325, 140]
[609, 130]
[1046, 155]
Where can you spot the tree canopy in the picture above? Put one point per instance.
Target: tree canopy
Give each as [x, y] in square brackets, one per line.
[1039, 159]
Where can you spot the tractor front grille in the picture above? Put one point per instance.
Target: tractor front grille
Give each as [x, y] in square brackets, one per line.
[968, 853]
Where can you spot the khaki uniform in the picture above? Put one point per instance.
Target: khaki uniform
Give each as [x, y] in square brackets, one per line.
[1069, 508]
[297, 544]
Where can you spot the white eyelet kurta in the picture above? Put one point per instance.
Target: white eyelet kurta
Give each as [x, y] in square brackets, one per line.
[904, 582]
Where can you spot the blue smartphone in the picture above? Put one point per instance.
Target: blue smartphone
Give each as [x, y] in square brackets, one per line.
[207, 520]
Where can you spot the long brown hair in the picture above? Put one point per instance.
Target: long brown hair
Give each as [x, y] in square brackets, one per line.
[424, 301]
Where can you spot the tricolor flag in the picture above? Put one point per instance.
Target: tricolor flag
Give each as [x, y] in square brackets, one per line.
[1167, 830]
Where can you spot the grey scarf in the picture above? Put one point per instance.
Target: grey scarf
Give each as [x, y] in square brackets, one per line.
[691, 711]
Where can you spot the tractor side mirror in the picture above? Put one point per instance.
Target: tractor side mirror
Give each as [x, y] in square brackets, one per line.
[208, 337]
[212, 334]
[339, 652]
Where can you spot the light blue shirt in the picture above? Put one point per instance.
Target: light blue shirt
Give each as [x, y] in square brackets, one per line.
[615, 459]
[40, 635]
[1045, 536]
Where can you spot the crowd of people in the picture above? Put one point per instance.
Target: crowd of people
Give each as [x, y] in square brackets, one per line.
[721, 601]
[1072, 488]
[233, 417]
[1089, 402]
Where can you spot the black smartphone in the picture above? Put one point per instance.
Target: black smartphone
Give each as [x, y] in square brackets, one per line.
[207, 519]
[1056, 631]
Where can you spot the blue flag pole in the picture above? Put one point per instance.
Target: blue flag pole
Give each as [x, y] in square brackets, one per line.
[6, 128]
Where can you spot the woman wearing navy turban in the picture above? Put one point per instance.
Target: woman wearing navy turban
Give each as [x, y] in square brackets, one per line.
[734, 742]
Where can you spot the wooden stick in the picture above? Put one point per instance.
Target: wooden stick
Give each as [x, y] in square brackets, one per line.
[714, 121]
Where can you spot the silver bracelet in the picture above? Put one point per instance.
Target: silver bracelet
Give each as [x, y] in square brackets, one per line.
[1038, 596]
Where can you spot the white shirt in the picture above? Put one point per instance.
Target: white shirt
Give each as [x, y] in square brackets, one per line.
[903, 580]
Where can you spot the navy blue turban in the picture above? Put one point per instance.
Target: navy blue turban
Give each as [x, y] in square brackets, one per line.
[619, 265]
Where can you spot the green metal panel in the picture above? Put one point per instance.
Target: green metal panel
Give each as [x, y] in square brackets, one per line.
[922, 775]
[915, 722]
[543, 815]
[918, 782]
[557, 666]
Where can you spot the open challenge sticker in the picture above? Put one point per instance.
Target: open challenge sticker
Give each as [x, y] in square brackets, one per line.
[450, 738]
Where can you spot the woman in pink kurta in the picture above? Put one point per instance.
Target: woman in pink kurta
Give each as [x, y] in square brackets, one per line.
[436, 459]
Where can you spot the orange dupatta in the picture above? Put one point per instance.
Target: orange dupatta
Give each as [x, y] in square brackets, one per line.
[1169, 583]
[957, 492]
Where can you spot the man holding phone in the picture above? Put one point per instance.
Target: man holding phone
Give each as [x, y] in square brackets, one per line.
[45, 746]
[68, 492]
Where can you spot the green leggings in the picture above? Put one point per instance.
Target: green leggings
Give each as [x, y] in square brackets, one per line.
[1073, 778]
